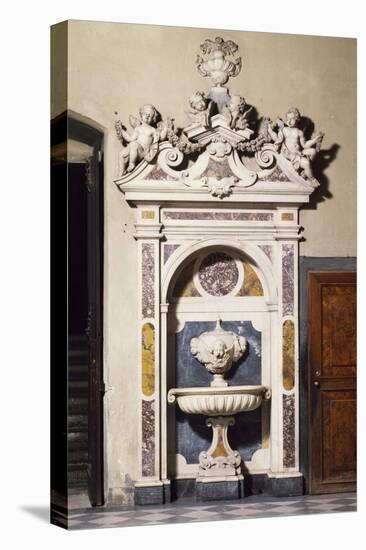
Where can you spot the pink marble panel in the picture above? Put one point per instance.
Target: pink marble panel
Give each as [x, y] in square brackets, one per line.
[219, 216]
[168, 250]
[218, 274]
[148, 438]
[148, 279]
[288, 402]
[287, 279]
[268, 250]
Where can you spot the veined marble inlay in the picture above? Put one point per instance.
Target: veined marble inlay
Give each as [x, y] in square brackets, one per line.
[268, 250]
[218, 274]
[159, 174]
[251, 285]
[168, 250]
[185, 287]
[148, 295]
[276, 175]
[287, 279]
[218, 169]
[288, 354]
[218, 216]
[288, 431]
[148, 359]
[148, 438]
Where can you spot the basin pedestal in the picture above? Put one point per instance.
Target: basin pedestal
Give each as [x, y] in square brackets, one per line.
[219, 474]
[220, 459]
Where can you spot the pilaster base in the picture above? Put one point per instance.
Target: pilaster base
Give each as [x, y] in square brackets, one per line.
[219, 490]
[286, 485]
[152, 494]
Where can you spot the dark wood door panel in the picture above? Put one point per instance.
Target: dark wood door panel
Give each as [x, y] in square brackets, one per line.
[332, 381]
[339, 436]
[338, 324]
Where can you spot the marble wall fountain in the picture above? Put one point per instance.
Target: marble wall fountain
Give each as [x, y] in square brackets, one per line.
[216, 222]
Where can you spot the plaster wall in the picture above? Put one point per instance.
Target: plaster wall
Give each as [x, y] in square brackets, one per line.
[119, 67]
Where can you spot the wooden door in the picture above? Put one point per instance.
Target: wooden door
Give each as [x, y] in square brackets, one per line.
[332, 381]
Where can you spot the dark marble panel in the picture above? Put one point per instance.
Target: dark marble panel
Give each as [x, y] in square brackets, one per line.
[150, 495]
[288, 430]
[286, 486]
[219, 490]
[192, 435]
[148, 438]
[148, 278]
[287, 279]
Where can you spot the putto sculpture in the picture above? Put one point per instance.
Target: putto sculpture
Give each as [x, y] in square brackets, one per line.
[236, 112]
[217, 350]
[291, 143]
[200, 109]
[143, 142]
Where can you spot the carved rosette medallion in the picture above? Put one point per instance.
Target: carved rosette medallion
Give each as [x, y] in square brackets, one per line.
[218, 274]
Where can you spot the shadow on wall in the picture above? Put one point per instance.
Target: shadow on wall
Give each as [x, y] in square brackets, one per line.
[319, 165]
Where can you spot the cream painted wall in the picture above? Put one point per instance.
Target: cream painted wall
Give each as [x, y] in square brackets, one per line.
[118, 67]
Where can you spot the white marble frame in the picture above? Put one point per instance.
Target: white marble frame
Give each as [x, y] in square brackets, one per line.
[245, 237]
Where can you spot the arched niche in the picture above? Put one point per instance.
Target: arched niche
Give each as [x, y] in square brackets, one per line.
[244, 308]
[194, 253]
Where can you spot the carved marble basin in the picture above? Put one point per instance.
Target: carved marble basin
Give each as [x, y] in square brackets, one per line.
[218, 401]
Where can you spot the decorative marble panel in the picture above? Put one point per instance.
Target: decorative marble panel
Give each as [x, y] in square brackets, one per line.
[218, 216]
[218, 274]
[218, 169]
[148, 279]
[148, 359]
[288, 431]
[288, 279]
[148, 438]
[192, 436]
[288, 354]
[168, 250]
[158, 174]
[276, 175]
[148, 215]
[268, 250]
[185, 287]
[251, 285]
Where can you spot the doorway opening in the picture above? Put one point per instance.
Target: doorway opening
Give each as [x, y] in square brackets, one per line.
[77, 175]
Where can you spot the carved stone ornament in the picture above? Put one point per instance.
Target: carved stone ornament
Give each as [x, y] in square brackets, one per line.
[218, 130]
[217, 350]
[215, 65]
[220, 459]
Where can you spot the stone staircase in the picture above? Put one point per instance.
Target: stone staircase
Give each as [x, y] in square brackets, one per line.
[77, 433]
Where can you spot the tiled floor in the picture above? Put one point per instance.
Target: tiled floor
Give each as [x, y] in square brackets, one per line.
[256, 506]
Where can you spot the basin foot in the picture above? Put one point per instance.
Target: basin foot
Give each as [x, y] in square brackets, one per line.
[220, 460]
